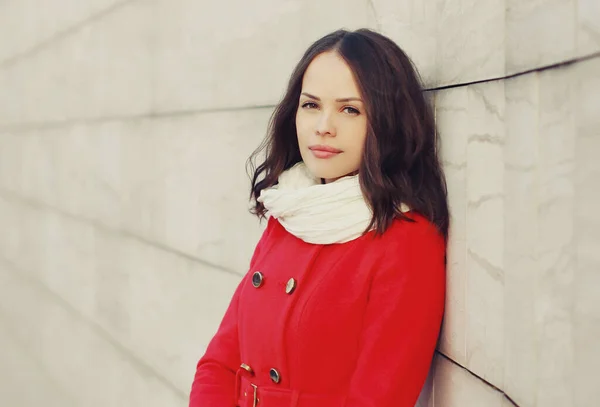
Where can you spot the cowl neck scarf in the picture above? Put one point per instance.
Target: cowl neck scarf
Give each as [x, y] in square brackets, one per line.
[318, 213]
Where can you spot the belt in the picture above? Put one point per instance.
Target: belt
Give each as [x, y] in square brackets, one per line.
[251, 395]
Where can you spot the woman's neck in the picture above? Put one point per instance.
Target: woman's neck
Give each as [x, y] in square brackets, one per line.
[330, 180]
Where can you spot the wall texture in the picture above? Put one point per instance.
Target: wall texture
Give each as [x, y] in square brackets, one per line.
[124, 129]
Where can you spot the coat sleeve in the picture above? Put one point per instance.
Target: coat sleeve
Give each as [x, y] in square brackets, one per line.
[402, 321]
[214, 381]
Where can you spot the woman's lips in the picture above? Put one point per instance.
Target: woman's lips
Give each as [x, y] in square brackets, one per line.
[324, 151]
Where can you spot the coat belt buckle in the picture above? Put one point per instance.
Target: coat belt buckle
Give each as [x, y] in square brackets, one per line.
[255, 395]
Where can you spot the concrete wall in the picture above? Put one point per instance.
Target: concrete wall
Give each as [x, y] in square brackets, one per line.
[124, 129]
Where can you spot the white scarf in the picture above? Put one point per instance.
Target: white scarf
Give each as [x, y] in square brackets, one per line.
[318, 213]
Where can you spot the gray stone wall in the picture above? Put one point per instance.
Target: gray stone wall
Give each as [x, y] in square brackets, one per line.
[124, 130]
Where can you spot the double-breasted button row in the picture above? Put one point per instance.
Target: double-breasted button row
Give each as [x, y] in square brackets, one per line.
[273, 373]
[258, 279]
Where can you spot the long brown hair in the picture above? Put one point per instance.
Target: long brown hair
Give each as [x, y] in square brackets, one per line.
[400, 162]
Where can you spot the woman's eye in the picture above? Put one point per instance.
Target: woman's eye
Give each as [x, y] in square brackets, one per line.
[309, 105]
[351, 110]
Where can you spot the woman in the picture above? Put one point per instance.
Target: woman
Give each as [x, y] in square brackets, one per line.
[344, 297]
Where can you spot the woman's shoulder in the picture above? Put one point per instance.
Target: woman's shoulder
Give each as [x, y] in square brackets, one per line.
[414, 230]
[413, 244]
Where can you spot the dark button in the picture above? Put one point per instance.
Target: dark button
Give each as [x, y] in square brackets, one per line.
[290, 286]
[257, 279]
[274, 374]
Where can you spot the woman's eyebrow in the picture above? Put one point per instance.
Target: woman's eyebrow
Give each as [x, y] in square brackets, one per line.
[349, 99]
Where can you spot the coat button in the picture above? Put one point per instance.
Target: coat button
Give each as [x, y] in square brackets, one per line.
[247, 368]
[257, 279]
[290, 286]
[274, 375]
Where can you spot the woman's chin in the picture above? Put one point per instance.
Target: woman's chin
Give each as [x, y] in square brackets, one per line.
[328, 175]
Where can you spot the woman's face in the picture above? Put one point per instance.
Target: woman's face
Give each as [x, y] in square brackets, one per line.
[331, 121]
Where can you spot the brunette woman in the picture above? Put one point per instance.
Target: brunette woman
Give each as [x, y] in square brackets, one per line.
[344, 297]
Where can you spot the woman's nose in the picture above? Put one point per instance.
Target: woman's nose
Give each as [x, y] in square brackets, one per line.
[325, 125]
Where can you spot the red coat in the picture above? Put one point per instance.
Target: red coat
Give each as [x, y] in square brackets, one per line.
[357, 327]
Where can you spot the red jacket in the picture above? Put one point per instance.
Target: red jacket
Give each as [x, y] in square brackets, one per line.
[356, 327]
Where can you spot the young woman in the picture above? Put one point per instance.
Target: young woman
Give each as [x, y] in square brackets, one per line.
[344, 297]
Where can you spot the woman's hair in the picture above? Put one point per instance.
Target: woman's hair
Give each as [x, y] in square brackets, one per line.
[400, 162]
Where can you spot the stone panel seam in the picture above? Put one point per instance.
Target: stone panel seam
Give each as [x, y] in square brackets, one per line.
[62, 34]
[39, 205]
[44, 125]
[59, 124]
[4, 322]
[137, 363]
[556, 65]
[449, 359]
[375, 15]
